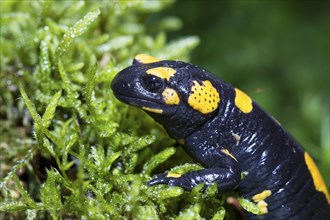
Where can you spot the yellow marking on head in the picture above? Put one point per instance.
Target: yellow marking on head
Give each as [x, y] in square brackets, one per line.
[228, 153]
[243, 101]
[262, 205]
[145, 58]
[154, 110]
[316, 175]
[204, 98]
[162, 72]
[261, 196]
[170, 96]
[174, 175]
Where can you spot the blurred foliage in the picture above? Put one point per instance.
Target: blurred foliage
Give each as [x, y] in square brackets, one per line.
[276, 51]
[69, 149]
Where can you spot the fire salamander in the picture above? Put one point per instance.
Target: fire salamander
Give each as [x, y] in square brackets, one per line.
[224, 130]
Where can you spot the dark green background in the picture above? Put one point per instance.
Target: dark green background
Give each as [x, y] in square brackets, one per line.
[276, 51]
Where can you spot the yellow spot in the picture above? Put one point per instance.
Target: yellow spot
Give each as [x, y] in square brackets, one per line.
[145, 58]
[174, 175]
[243, 101]
[262, 205]
[317, 178]
[162, 72]
[170, 97]
[204, 98]
[154, 110]
[228, 153]
[261, 196]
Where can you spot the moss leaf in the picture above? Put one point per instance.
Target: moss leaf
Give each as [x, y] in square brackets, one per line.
[75, 31]
[50, 110]
[31, 107]
[50, 193]
[158, 159]
[249, 206]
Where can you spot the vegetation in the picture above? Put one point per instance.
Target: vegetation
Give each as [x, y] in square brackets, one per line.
[68, 148]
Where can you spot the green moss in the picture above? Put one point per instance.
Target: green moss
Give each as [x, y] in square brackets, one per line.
[69, 149]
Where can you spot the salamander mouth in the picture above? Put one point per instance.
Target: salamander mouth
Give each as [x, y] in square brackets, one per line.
[144, 103]
[137, 101]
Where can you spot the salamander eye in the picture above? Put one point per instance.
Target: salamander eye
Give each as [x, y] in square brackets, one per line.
[152, 83]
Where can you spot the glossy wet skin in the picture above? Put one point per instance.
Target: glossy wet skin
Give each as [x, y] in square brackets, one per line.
[136, 87]
[164, 90]
[226, 132]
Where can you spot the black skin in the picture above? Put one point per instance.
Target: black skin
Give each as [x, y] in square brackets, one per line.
[271, 157]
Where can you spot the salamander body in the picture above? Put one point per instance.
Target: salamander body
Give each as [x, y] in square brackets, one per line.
[224, 130]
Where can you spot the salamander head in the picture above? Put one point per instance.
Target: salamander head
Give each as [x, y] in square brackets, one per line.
[178, 95]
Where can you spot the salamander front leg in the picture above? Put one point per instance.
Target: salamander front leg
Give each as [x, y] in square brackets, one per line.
[226, 179]
[226, 173]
